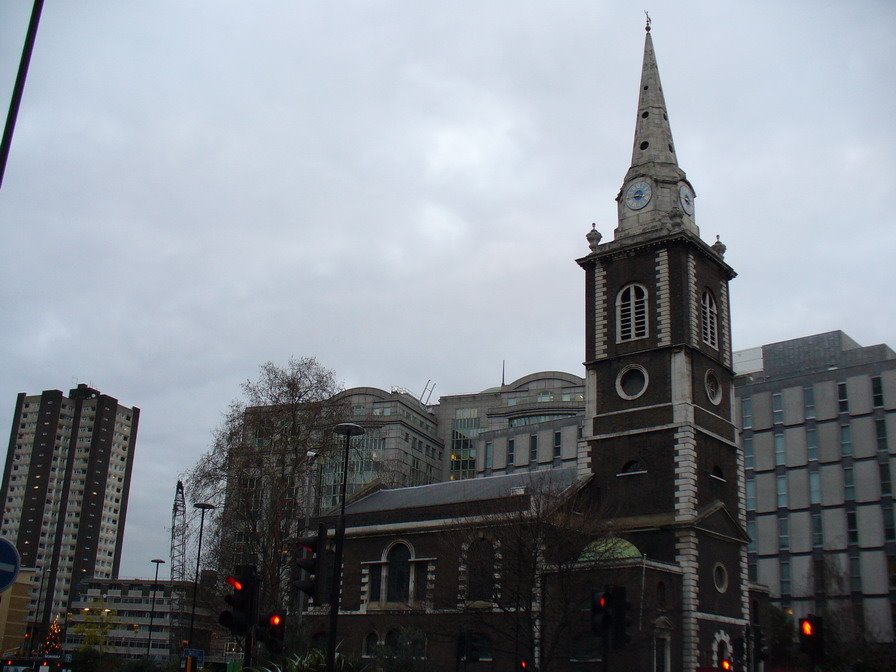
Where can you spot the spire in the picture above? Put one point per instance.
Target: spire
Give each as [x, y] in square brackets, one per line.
[653, 135]
[656, 196]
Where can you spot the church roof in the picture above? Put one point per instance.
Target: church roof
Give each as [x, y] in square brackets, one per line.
[465, 491]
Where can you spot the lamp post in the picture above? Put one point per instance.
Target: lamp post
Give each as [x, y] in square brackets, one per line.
[152, 611]
[348, 430]
[202, 506]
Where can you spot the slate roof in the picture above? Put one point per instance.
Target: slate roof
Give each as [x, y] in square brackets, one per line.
[464, 491]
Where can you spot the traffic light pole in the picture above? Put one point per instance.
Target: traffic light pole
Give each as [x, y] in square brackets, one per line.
[348, 430]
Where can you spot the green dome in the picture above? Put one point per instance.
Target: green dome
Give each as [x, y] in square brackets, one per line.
[612, 548]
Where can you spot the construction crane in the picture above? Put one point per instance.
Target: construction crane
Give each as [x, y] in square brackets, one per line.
[178, 566]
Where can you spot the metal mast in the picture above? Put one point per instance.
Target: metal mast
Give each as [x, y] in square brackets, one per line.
[178, 565]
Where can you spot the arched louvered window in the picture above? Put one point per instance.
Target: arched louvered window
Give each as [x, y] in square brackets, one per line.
[631, 313]
[709, 320]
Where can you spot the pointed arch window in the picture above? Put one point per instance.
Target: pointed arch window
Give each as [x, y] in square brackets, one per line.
[709, 320]
[631, 313]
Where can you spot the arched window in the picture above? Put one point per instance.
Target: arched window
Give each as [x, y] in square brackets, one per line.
[631, 313]
[398, 574]
[709, 320]
[632, 467]
[481, 571]
[479, 647]
[661, 595]
[718, 473]
[371, 644]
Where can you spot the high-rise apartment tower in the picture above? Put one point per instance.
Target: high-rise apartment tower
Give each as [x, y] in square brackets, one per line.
[65, 491]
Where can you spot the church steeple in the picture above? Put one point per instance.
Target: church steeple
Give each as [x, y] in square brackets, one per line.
[656, 193]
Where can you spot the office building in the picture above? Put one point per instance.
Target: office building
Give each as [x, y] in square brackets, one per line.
[818, 419]
[534, 422]
[65, 491]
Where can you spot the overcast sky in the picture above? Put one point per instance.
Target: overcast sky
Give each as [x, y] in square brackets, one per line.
[400, 189]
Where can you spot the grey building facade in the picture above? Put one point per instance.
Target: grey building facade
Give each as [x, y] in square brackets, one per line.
[818, 417]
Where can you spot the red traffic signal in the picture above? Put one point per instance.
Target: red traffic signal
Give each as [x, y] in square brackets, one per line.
[726, 665]
[524, 665]
[241, 615]
[601, 611]
[234, 583]
[807, 627]
[811, 631]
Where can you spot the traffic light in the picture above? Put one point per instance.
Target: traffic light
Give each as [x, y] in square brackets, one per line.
[240, 617]
[619, 622]
[812, 636]
[726, 665]
[760, 652]
[601, 611]
[315, 547]
[523, 666]
[271, 630]
[740, 654]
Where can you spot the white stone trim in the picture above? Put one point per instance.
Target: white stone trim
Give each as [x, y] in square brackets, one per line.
[600, 311]
[686, 556]
[693, 301]
[663, 299]
[724, 324]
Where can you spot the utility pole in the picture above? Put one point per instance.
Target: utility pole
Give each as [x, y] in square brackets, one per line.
[19, 86]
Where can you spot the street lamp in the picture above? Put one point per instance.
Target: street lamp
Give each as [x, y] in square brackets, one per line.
[348, 430]
[202, 506]
[152, 611]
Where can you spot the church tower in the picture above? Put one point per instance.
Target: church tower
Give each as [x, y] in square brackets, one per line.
[660, 440]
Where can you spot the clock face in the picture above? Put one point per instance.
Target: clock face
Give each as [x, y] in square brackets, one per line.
[686, 198]
[638, 194]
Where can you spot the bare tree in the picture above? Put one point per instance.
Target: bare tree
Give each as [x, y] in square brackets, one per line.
[258, 472]
[523, 569]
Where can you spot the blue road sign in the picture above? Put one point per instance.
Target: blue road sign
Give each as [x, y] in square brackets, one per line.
[9, 564]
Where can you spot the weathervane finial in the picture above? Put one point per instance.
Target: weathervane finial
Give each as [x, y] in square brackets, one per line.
[647, 27]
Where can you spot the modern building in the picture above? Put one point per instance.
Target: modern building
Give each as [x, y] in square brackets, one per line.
[114, 616]
[65, 491]
[532, 423]
[818, 419]
[401, 445]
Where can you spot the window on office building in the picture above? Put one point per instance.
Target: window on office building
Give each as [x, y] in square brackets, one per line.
[889, 523]
[886, 487]
[880, 427]
[842, 398]
[845, 440]
[777, 408]
[751, 495]
[785, 578]
[849, 485]
[783, 533]
[852, 527]
[811, 445]
[808, 402]
[558, 439]
[746, 408]
[817, 530]
[877, 392]
[855, 572]
[782, 491]
[814, 488]
[748, 452]
[533, 448]
[510, 451]
[489, 454]
[780, 448]
[751, 532]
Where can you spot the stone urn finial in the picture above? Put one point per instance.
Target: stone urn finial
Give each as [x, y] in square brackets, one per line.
[719, 247]
[593, 237]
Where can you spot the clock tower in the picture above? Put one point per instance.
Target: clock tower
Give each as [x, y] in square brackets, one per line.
[660, 441]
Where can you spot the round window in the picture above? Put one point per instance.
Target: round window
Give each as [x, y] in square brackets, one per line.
[720, 577]
[713, 387]
[631, 381]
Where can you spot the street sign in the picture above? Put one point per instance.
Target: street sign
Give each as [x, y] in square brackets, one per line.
[9, 564]
[197, 654]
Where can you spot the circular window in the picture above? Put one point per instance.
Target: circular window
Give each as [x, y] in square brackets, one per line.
[720, 577]
[631, 381]
[713, 387]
